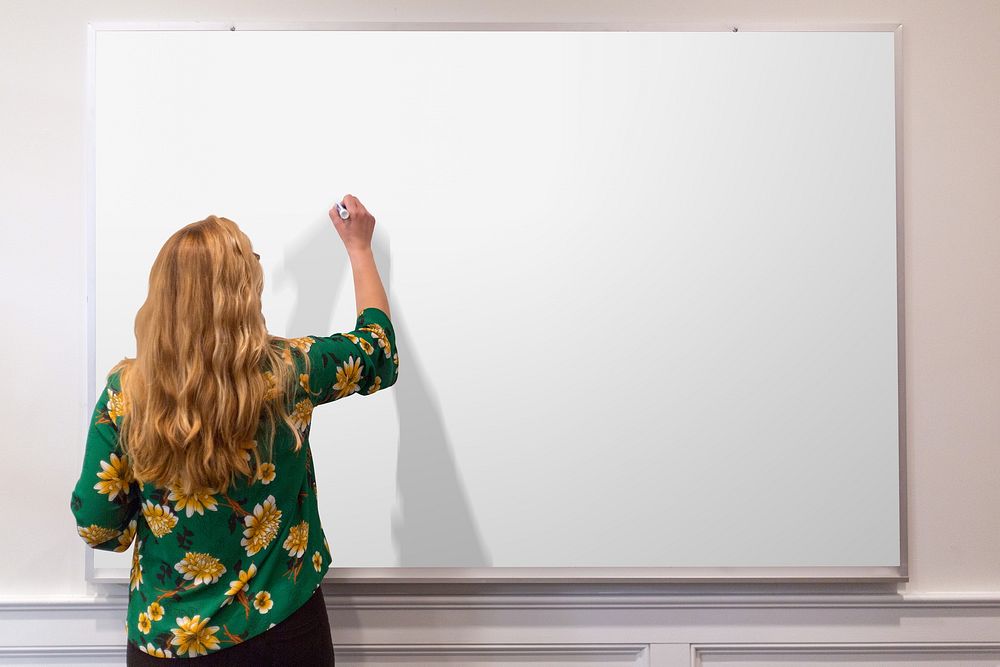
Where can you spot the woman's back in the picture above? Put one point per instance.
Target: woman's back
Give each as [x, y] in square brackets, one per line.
[214, 568]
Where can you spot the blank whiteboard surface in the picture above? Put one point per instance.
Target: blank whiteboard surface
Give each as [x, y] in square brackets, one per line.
[644, 284]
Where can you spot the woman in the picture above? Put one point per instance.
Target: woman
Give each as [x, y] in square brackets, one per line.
[198, 450]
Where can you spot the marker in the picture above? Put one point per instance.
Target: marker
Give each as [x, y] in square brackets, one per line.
[344, 213]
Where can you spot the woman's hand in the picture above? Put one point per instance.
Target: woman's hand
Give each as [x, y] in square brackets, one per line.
[356, 231]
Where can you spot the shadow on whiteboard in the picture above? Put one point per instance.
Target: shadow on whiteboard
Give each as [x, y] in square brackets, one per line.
[314, 270]
[432, 524]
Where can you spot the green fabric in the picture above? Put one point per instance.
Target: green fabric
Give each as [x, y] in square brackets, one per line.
[224, 567]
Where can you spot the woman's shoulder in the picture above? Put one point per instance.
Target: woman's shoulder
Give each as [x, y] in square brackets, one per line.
[113, 378]
[292, 352]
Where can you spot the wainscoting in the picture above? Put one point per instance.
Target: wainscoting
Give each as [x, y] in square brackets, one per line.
[607, 628]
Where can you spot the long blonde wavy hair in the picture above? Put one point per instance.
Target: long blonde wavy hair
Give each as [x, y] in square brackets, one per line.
[206, 371]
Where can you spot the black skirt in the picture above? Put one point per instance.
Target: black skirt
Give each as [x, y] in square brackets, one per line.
[301, 639]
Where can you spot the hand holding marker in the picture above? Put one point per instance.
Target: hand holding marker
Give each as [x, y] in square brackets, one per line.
[344, 215]
[354, 224]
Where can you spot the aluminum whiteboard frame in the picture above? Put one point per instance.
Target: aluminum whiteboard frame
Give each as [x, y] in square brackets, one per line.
[540, 575]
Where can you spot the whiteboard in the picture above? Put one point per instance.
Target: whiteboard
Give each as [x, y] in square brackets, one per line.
[644, 283]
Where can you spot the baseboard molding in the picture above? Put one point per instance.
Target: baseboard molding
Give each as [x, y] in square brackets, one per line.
[425, 651]
[643, 630]
[68, 652]
[636, 652]
[582, 602]
[625, 651]
[861, 652]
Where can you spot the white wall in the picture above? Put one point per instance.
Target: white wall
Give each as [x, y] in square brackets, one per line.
[951, 103]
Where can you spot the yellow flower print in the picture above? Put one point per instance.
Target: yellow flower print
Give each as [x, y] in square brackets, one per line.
[297, 538]
[383, 338]
[395, 358]
[95, 534]
[198, 501]
[302, 414]
[156, 652]
[125, 539]
[135, 574]
[262, 602]
[144, 624]
[192, 637]
[116, 476]
[202, 568]
[362, 342]
[317, 561]
[303, 343]
[266, 473]
[348, 377]
[117, 404]
[375, 328]
[242, 583]
[159, 518]
[376, 385]
[154, 611]
[304, 382]
[262, 526]
[271, 392]
[366, 346]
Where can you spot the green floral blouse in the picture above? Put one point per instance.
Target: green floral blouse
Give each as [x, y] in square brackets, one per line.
[213, 569]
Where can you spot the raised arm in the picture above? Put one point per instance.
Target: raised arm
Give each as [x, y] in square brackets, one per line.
[356, 233]
[362, 361]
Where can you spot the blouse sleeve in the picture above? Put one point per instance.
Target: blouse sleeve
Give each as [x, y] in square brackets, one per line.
[106, 498]
[362, 361]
